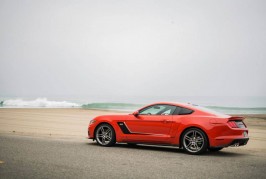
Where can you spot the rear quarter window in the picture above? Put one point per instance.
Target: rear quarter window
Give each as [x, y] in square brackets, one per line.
[183, 111]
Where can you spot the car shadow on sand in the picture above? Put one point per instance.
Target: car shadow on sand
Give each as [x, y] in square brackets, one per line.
[222, 153]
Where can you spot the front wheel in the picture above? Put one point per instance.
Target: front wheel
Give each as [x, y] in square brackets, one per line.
[194, 141]
[105, 135]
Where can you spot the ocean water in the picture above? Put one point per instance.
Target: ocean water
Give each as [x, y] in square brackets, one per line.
[226, 105]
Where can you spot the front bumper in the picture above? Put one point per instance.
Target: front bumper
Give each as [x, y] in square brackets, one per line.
[91, 131]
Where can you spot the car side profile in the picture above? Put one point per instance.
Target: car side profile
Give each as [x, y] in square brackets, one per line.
[193, 128]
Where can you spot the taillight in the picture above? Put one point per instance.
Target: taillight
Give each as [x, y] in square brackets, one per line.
[237, 124]
[232, 124]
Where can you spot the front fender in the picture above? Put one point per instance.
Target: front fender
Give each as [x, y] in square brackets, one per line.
[112, 121]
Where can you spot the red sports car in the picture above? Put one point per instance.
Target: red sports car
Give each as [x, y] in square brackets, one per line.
[195, 129]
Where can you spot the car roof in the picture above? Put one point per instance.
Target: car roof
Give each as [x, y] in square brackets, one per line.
[192, 107]
[186, 105]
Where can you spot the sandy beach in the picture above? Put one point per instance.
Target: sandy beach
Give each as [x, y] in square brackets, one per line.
[72, 123]
[51, 143]
[59, 123]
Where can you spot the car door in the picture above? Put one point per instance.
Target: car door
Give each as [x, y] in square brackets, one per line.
[152, 124]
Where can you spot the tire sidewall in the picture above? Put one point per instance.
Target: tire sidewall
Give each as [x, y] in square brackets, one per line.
[205, 145]
[113, 139]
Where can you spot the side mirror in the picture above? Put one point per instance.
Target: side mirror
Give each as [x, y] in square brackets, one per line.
[136, 113]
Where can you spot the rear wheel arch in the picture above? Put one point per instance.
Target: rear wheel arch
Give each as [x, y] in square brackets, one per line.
[190, 127]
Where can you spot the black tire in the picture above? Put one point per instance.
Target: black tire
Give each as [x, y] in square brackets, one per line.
[105, 135]
[216, 149]
[194, 141]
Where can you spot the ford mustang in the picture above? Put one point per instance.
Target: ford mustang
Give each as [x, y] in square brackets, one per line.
[190, 127]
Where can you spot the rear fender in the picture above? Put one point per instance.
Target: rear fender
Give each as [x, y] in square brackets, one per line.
[177, 139]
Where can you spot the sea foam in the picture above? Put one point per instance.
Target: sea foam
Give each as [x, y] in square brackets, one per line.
[39, 102]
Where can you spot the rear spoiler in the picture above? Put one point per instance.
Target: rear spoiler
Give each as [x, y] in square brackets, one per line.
[235, 118]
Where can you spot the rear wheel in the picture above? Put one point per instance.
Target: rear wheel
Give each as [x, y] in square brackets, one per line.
[105, 135]
[194, 141]
[216, 149]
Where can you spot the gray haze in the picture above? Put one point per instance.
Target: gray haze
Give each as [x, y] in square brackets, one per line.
[132, 48]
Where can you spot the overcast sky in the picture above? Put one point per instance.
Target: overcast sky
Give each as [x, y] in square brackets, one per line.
[156, 48]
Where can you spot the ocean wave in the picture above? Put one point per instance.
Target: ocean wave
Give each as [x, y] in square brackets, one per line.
[39, 102]
[127, 107]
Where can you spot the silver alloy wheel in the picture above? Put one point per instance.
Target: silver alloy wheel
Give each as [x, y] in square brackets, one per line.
[193, 141]
[104, 135]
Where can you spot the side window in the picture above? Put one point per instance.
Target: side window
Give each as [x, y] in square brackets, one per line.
[158, 110]
[169, 110]
[151, 110]
[183, 111]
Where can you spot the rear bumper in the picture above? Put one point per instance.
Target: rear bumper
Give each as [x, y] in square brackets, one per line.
[239, 142]
[226, 142]
[224, 136]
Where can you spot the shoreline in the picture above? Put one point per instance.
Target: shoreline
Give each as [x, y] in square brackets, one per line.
[257, 115]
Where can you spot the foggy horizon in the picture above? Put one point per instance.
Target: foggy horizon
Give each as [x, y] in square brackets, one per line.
[132, 48]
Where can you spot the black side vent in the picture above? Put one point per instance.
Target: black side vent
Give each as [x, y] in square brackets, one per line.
[123, 127]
